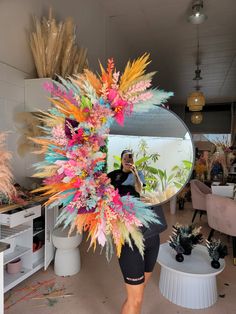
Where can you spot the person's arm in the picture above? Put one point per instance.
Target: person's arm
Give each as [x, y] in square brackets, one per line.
[138, 185]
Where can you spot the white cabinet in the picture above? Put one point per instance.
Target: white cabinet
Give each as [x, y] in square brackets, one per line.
[18, 229]
[50, 220]
[15, 218]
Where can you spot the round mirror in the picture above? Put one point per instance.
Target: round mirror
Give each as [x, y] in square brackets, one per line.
[162, 147]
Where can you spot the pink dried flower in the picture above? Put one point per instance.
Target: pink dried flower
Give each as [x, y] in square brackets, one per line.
[59, 136]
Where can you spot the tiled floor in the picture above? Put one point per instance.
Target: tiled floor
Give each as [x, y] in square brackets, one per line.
[98, 288]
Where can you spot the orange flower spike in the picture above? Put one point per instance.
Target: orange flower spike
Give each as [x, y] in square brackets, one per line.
[94, 81]
[60, 106]
[59, 151]
[106, 77]
[91, 235]
[110, 68]
[80, 222]
[41, 141]
[78, 113]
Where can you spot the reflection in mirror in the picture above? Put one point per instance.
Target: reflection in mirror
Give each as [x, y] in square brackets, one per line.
[162, 148]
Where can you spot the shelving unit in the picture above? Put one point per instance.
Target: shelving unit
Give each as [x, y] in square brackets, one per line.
[38, 257]
[7, 233]
[10, 280]
[18, 252]
[21, 238]
[38, 232]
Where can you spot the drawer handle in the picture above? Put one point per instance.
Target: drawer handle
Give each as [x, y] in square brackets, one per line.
[29, 215]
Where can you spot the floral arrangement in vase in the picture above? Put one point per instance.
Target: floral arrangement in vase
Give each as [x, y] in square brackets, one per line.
[216, 250]
[184, 238]
[54, 48]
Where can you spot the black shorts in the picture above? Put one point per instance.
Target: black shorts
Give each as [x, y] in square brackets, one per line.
[133, 266]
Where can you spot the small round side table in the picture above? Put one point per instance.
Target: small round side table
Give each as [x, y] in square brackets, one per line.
[191, 283]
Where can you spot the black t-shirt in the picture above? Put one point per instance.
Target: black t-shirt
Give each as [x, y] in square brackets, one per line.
[154, 228]
[117, 178]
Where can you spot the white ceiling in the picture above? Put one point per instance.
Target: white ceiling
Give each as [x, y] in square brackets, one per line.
[161, 28]
[158, 122]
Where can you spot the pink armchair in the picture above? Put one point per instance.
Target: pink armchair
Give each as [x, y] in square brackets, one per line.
[221, 214]
[199, 191]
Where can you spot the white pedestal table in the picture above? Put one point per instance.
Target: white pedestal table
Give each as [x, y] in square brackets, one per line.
[191, 283]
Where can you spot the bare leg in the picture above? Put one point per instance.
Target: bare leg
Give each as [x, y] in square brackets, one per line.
[133, 303]
[147, 277]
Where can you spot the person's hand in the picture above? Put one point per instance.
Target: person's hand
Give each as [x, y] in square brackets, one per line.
[133, 169]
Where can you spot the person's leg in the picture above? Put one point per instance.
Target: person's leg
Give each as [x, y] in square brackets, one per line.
[132, 267]
[133, 303]
[147, 276]
[151, 252]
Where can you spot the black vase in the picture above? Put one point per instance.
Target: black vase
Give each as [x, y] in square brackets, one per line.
[187, 251]
[187, 246]
[179, 257]
[215, 264]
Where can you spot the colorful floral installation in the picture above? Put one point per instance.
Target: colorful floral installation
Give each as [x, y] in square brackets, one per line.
[84, 107]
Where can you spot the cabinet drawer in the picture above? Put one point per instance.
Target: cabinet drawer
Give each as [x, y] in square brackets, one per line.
[19, 216]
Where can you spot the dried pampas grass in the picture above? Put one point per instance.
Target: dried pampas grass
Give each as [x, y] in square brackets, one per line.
[54, 48]
[6, 176]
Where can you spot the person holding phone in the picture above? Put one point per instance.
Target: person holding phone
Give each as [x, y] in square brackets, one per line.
[136, 270]
[127, 179]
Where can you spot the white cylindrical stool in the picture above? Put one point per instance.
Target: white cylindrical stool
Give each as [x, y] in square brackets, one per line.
[67, 257]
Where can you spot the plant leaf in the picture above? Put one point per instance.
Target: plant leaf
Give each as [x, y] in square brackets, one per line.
[141, 160]
[152, 170]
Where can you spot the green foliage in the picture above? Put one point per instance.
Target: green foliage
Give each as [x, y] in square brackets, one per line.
[85, 102]
[216, 249]
[184, 238]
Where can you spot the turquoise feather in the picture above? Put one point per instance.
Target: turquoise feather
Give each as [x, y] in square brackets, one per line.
[142, 210]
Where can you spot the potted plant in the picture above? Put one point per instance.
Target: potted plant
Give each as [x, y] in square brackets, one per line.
[184, 238]
[216, 250]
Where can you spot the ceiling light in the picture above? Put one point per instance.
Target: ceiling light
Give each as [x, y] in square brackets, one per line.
[196, 117]
[196, 100]
[197, 16]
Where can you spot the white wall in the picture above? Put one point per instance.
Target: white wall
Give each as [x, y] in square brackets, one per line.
[15, 23]
[95, 30]
[11, 102]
